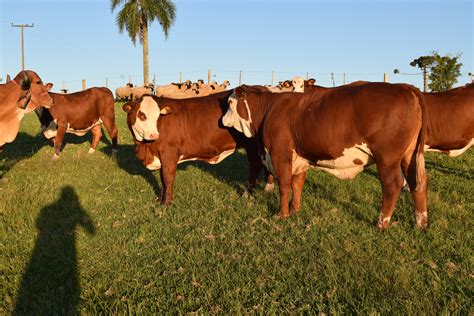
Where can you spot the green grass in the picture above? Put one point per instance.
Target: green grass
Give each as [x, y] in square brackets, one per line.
[85, 234]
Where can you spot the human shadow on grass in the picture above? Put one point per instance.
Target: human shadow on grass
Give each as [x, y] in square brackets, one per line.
[23, 147]
[50, 284]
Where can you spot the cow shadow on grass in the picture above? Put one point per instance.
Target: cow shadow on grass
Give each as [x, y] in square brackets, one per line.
[127, 161]
[50, 284]
[23, 147]
[434, 165]
[233, 170]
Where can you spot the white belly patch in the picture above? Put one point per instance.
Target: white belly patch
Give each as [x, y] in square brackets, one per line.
[298, 163]
[52, 129]
[156, 164]
[452, 153]
[348, 165]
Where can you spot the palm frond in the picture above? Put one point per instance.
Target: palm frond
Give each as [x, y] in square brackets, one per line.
[162, 10]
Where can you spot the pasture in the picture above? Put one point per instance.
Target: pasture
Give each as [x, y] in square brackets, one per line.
[85, 234]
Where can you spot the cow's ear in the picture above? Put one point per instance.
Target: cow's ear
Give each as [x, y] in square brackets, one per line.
[166, 110]
[127, 107]
[310, 82]
[8, 78]
[239, 90]
[49, 85]
[25, 82]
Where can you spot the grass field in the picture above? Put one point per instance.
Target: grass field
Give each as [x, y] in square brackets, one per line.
[85, 235]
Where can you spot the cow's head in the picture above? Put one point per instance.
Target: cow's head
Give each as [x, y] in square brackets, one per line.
[34, 92]
[143, 115]
[297, 84]
[238, 115]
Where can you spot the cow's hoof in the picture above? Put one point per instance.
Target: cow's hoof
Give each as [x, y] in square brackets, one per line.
[421, 220]
[91, 151]
[269, 187]
[55, 157]
[383, 222]
[282, 215]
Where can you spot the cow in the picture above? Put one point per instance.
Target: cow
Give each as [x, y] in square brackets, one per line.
[77, 113]
[338, 131]
[21, 95]
[170, 131]
[124, 93]
[450, 120]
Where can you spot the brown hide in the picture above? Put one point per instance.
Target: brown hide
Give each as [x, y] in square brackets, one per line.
[450, 118]
[191, 131]
[79, 111]
[320, 126]
[24, 93]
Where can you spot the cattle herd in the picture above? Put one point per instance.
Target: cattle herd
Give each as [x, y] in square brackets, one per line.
[285, 130]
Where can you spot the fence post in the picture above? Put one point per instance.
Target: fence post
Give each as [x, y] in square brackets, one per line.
[385, 77]
[307, 76]
[154, 79]
[208, 76]
[64, 88]
[344, 78]
[273, 76]
[240, 77]
[180, 77]
[129, 79]
[106, 82]
[83, 84]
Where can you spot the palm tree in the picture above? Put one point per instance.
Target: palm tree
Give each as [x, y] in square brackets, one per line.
[136, 16]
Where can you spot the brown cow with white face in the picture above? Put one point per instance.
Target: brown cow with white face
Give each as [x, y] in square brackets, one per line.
[338, 131]
[77, 113]
[171, 131]
[21, 95]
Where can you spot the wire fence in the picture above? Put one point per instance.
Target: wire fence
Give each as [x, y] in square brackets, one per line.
[238, 77]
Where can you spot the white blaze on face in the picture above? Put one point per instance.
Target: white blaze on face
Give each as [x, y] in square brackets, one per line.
[145, 126]
[233, 119]
[297, 84]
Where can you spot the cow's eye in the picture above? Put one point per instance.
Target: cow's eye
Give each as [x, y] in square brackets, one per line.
[141, 115]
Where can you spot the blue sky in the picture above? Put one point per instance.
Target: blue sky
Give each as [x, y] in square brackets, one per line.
[75, 40]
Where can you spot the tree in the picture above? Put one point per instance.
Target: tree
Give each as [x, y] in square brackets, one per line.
[423, 62]
[442, 71]
[136, 16]
[445, 72]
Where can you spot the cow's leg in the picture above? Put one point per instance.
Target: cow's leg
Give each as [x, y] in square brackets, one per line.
[96, 135]
[392, 182]
[255, 167]
[415, 174]
[163, 188]
[270, 179]
[282, 165]
[58, 140]
[297, 187]
[169, 163]
[109, 122]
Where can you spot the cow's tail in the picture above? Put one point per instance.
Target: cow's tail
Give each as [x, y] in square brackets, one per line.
[418, 155]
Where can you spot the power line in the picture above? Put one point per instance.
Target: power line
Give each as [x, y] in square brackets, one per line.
[22, 26]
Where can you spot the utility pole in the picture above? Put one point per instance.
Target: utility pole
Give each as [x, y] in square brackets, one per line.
[22, 26]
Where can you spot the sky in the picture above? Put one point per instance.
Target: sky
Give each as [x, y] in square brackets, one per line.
[78, 39]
